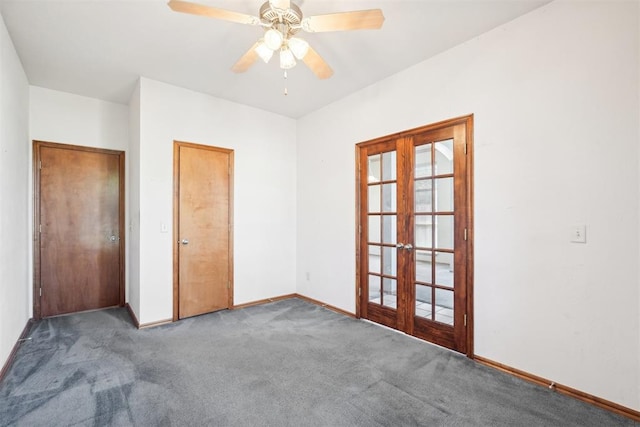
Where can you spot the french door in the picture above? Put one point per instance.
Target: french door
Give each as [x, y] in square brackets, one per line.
[414, 240]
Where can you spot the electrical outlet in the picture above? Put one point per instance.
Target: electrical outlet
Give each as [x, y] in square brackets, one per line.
[579, 234]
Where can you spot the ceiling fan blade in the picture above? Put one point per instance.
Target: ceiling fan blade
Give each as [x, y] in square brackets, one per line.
[357, 20]
[280, 4]
[315, 62]
[212, 12]
[247, 60]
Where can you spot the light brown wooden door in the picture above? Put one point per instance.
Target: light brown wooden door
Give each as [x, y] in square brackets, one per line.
[202, 224]
[79, 234]
[415, 247]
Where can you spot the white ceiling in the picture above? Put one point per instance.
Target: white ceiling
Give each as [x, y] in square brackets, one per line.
[98, 48]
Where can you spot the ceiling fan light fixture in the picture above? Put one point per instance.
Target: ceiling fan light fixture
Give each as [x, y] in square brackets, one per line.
[264, 52]
[299, 47]
[287, 60]
[273, 39]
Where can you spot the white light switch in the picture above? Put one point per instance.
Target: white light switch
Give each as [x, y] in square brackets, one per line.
[164, 228]
[579, 234]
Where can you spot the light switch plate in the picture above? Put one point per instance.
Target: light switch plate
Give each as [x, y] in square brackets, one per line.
[164, 228]
[579, 234]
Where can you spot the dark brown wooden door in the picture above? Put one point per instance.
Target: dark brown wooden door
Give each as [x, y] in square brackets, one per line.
[414, 269]
[202, 229]
[79, 215]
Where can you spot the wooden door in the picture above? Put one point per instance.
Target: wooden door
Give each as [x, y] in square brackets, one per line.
[79, 216]
[202, 228]
[415, 247]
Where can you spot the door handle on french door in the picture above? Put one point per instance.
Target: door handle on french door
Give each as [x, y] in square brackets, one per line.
[408, 246]
[185, 241]
[400, 246]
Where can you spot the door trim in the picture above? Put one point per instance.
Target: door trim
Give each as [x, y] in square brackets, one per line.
[468, 121]
[36, 215]
[176, 220]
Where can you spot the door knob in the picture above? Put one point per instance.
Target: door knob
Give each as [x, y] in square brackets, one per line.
[185, 241]
[408, 246]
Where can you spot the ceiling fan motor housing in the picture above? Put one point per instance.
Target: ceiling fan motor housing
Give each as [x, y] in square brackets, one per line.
[289, 18]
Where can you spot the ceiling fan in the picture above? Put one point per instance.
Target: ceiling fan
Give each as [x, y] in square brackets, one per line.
[282, 20]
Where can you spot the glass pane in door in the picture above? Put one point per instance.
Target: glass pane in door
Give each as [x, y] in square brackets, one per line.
[373, 168]
[389, 166]
[444, 157]
[389, 261]
[389, 229]
[422, 161]
[423, 196]
[444, 194]
[374, 229]
[374, 289]
[444, 269]
[423, 233]
[374, 198]
[423, 266]
[389, 197]
[374, 259]
[390, 291]
[444, 306]
[423, 306]
[444, 231]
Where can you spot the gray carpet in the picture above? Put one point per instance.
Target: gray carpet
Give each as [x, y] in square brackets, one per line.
[288, 363]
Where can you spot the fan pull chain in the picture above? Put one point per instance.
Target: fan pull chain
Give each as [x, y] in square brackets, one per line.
[286, 92]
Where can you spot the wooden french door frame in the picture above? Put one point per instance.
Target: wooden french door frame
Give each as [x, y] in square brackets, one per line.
[405, 323]
[37, 277]
[176, 221]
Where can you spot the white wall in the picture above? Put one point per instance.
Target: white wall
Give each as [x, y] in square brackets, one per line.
[15, 305]
[265, 154]
[77, 120]
[555, 98]
[264, 147]
[133, 201]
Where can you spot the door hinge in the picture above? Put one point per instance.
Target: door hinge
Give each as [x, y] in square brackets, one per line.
[359, 229]
[39, 164]
[465, 234]
[359, 292]
[229, 285]
[39, 228]
[40, 291]
[465, 320]
[465, 148]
